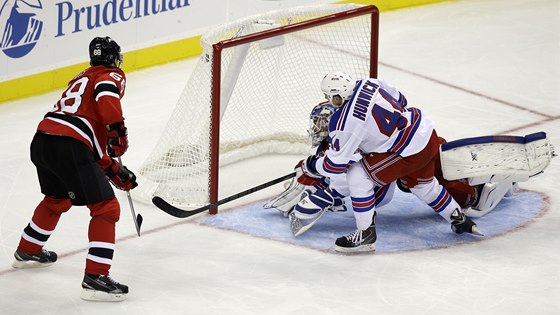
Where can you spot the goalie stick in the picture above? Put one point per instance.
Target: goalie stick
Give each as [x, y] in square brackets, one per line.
[183, 213]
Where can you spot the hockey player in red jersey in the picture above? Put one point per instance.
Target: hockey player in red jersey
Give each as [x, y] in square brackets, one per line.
[73, 152]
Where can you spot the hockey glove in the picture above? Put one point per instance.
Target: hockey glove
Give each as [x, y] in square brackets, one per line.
[117, 139]
[306, 173]
[121, 177]
[460, 224]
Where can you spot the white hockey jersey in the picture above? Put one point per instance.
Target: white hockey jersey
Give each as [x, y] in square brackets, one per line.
[375, 120]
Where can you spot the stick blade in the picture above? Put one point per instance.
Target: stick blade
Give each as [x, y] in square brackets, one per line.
[174, 211]
[166, 207]
[139, 220]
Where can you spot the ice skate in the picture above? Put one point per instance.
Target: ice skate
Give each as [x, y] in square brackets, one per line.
[44, 258]
[102, 288]
[358, 241]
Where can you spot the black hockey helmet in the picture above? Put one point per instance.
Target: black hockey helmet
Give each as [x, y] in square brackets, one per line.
[105, 51]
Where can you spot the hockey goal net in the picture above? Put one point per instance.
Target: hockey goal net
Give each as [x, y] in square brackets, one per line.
[251, 94]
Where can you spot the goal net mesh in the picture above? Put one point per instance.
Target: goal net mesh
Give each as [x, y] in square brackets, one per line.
[268, 88]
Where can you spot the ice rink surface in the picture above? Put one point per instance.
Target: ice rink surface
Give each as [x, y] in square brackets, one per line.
[475, 67]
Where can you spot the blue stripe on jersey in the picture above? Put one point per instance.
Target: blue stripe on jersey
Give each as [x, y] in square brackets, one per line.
[418, 117]
[333, 168]
[342, 117]
[346, 109]
[406, 135]
[395, 103]
[398, 140]
[335, 118]
[402, 100]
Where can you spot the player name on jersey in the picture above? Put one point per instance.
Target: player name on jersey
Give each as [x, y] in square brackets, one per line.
[361, 107]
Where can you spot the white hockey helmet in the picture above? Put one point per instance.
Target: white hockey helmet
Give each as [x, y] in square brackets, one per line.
[319, 120]
[340, 84]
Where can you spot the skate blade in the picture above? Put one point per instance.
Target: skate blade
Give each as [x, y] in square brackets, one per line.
[358, 249]
[100, 296]
[22, 264]
[477, 231]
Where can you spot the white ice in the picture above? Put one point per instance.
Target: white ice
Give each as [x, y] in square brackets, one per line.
[475, 67]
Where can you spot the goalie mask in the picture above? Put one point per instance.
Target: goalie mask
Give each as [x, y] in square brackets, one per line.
[338, 87]
[105, 51]
[319, 123]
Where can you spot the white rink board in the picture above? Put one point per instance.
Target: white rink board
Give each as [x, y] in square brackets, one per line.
[60, 31]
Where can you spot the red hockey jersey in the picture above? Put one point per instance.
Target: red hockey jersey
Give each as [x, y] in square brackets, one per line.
[91, 101]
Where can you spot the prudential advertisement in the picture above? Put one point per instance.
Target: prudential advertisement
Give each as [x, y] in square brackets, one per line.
[41, 35]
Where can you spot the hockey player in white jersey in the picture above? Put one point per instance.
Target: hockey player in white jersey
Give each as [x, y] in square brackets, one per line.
[477, 185]
[396, 142]
[475, 201]
[305, 184]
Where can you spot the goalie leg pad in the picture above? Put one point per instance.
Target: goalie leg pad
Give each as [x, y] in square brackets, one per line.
[313, 203]
[286, 201]
[299, 226]
[309, 207]
[496, 158]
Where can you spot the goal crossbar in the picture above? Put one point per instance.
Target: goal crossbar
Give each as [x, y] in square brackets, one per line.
[216, 72]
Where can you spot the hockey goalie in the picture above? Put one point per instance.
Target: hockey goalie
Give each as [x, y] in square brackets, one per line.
[478, 172]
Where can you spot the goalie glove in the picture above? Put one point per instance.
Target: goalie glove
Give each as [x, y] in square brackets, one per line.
[306, 173]
[117, 139]
[120, 176]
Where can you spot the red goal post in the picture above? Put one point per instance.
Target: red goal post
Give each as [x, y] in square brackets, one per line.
[255, 60]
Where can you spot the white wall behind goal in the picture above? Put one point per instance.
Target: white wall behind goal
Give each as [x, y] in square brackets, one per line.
[40, 35]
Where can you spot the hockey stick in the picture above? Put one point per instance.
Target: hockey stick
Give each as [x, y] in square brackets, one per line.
[137, 218]
[182, 213]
